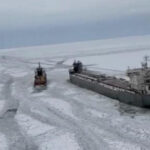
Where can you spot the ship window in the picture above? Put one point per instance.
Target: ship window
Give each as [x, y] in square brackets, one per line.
[149, 87]
[148, 81]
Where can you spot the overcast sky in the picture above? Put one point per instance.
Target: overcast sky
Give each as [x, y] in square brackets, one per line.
[35, 22]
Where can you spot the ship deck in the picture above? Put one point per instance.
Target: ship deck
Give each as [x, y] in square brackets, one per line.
[109, 80]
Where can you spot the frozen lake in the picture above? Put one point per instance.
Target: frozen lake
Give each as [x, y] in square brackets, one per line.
[65, 116]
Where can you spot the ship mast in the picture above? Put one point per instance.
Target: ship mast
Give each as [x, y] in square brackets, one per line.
[145, 63]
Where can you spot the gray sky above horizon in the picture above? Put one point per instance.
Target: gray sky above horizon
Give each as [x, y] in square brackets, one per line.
[31, 22]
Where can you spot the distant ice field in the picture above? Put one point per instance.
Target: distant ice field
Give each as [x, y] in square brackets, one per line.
[115, 54]
[98, 47]
[118, 62]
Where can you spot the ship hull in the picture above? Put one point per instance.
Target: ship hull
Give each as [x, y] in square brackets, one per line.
[121, 95]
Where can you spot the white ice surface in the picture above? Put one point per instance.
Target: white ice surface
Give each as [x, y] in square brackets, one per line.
[81, 48]
[2, 106]
[65, 116]
[62, 142]
[60, 105]
[31, 126]
[118, 62]
[3, 142]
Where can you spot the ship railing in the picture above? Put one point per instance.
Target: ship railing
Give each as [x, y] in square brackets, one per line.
[87, 77]
[117, 88]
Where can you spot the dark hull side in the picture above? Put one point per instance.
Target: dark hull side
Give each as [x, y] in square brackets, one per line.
[121, 95]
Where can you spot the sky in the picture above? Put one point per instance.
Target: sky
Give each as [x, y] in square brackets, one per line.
[39, 22]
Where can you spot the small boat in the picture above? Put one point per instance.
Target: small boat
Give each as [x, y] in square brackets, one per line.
[40, 78]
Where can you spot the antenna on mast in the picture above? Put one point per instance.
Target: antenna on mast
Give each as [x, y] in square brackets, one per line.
[145, 63]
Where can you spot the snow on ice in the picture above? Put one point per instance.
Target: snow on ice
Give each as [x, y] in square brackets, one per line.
[31, 126]
[3, 142]
[65, 116]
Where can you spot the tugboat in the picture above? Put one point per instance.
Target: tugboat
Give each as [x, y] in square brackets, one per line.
[135, 91]
[40, 78]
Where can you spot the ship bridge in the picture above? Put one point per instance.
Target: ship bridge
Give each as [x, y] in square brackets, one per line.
[140, 77]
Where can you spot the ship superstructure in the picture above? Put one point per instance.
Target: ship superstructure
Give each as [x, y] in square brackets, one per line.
[140, 77]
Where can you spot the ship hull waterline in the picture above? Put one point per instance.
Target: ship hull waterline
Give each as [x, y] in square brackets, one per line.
[123, 96]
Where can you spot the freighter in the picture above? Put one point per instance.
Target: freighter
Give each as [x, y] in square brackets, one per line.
[135, 91]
